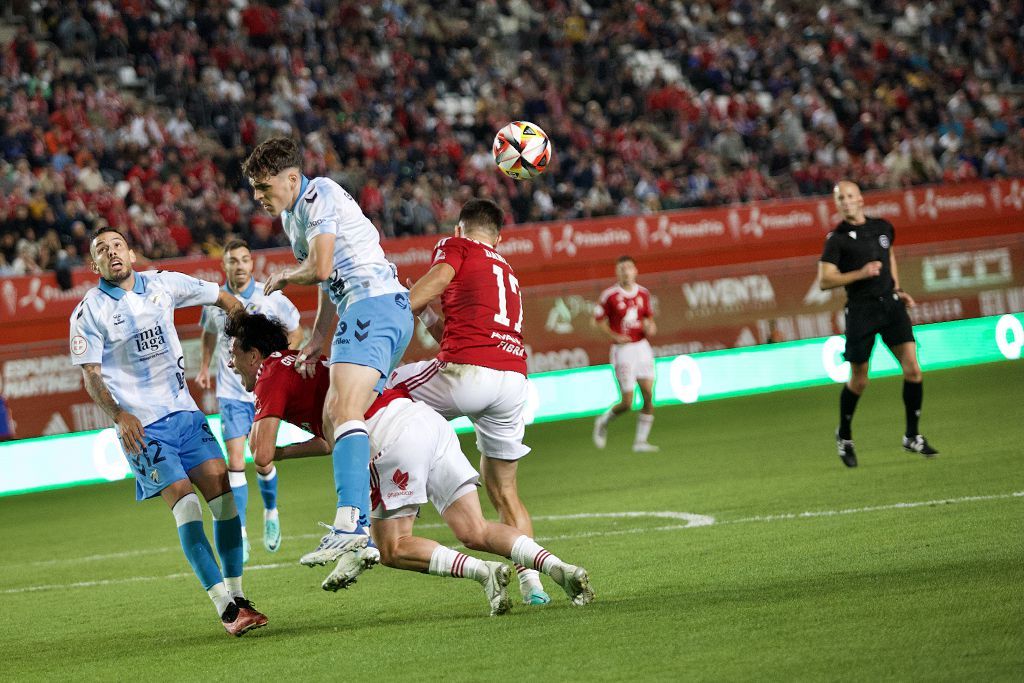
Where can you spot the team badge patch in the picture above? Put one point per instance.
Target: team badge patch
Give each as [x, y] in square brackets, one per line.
[884, 241]
[79, 345]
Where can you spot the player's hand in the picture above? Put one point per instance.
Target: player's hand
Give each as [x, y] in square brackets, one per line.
[275, 282]
[620, 339]
[306, 360]
[133, 438]
[871, 269]
[907, 300]
[203, 377]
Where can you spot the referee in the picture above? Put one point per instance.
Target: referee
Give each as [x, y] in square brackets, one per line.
[858, 255]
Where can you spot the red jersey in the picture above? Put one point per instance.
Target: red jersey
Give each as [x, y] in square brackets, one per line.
[625, 311]
[282, 392]
[482, 306]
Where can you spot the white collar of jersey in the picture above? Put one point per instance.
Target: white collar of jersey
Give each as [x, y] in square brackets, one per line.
[115, 292]
[628, 292]
[302, 191]
[245, 293]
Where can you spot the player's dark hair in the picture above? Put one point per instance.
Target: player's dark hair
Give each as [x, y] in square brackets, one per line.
[257, 331]
[482, 214]
[105, 229]
[236, 244]
[625, 258]
[271, 157]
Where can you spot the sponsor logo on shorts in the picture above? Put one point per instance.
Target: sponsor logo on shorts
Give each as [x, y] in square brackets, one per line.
[401, 479]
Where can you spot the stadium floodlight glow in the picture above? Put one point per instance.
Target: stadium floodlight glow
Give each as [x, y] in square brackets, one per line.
[94, 457]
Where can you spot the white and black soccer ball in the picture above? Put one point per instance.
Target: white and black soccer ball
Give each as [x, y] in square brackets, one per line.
[522, 150]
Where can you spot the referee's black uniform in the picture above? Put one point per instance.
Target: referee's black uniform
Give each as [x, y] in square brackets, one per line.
[872, 304]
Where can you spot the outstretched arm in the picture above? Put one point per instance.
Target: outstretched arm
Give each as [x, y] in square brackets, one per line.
[430, 286]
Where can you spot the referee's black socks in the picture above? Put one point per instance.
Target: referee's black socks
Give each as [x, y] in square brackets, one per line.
[913, 395]
[847, 404]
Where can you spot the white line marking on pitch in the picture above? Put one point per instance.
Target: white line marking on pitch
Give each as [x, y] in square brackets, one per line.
[690, 521]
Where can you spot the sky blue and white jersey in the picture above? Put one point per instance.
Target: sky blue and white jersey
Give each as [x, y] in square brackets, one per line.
[360, 269]
[132, 336]
[276, 306]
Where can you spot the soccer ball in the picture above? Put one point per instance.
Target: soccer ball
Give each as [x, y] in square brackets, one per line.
[522, 150]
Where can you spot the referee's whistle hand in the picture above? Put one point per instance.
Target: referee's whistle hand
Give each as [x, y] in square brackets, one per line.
[871, 269]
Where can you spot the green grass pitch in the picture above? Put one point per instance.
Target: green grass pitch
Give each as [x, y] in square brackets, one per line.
[903, 568]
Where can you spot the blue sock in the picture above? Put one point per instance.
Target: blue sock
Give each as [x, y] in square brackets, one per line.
[239, 487]
[189, 516]
[351, 460]
[268, 489]
[227, 534]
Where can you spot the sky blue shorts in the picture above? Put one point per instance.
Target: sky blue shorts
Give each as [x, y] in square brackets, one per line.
[174, 445]
[374, 332]
[235, 417]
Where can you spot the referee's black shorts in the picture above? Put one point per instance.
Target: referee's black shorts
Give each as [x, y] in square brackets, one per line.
[884, 315]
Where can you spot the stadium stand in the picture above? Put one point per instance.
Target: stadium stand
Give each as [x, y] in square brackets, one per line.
[138, 113]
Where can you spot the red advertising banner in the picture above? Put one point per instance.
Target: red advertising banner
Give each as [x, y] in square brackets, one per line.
[698, 309]
[34, 307]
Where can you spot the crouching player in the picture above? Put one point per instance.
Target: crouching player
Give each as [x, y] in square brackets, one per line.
[417, 459]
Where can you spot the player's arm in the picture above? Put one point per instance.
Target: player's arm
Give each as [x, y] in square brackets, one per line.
[264, 448]
[429, 287]
[650, 329]
[829, 276]
[305, 362]
[906, 298]
[228, 303]
[602, 326]
[208, 341]
[128, 426]
[295, 338]
[317, 267]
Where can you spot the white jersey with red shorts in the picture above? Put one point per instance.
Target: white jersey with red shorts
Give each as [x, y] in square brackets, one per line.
[625, 312]
[417, 458]
[480, 371]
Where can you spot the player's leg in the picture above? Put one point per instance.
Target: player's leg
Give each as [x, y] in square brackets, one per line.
[913, 397]
[645, 420]
[625, 376]
[465, 518]
[371, 337]
[862, 323]
[206, 469]
[236, 420]
[401, 550]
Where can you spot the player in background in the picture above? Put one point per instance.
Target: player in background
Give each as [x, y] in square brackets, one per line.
[123, 338]
[859, 256]
[480, 371]
[624, 315]
[236, 404]
[339, 249]
[417, 459]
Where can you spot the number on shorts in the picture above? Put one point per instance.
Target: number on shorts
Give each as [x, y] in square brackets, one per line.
[501, 317]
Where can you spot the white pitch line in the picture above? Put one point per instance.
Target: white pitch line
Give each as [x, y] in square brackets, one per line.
[691, 521]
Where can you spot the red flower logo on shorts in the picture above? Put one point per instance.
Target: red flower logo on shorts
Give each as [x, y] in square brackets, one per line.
[401, 479]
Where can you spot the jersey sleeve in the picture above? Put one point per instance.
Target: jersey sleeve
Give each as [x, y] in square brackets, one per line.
[831, 251]
[285, 311]
[272, 390]
[86, 339]
[188, 290]
[450, 252]
[321, 211]
[208, 320]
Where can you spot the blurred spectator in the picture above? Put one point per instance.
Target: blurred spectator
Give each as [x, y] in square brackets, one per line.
[138, 113]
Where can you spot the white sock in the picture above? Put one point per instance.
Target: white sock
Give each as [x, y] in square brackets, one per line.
[221, 597]
[346, 518]
[223, 507]
[187, 509]
[270, 514]
[234, 586]
[236, 478]
[447, 562]
[607, 416]
[528, 577]
[644, 423]
[530, 554]
[269, 476]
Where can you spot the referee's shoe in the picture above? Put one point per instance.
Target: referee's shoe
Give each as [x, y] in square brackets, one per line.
[918, 444]
[846, 452]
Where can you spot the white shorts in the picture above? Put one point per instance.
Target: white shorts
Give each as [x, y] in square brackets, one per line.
[631, 362]
[493, 400]
[421, 462]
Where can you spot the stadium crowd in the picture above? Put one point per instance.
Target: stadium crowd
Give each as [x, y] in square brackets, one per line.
[138, 112]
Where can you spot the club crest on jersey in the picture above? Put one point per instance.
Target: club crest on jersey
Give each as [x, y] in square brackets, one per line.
[79, 345]
[884, 241]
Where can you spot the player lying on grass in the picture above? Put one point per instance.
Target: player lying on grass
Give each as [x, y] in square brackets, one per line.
[417, 459]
